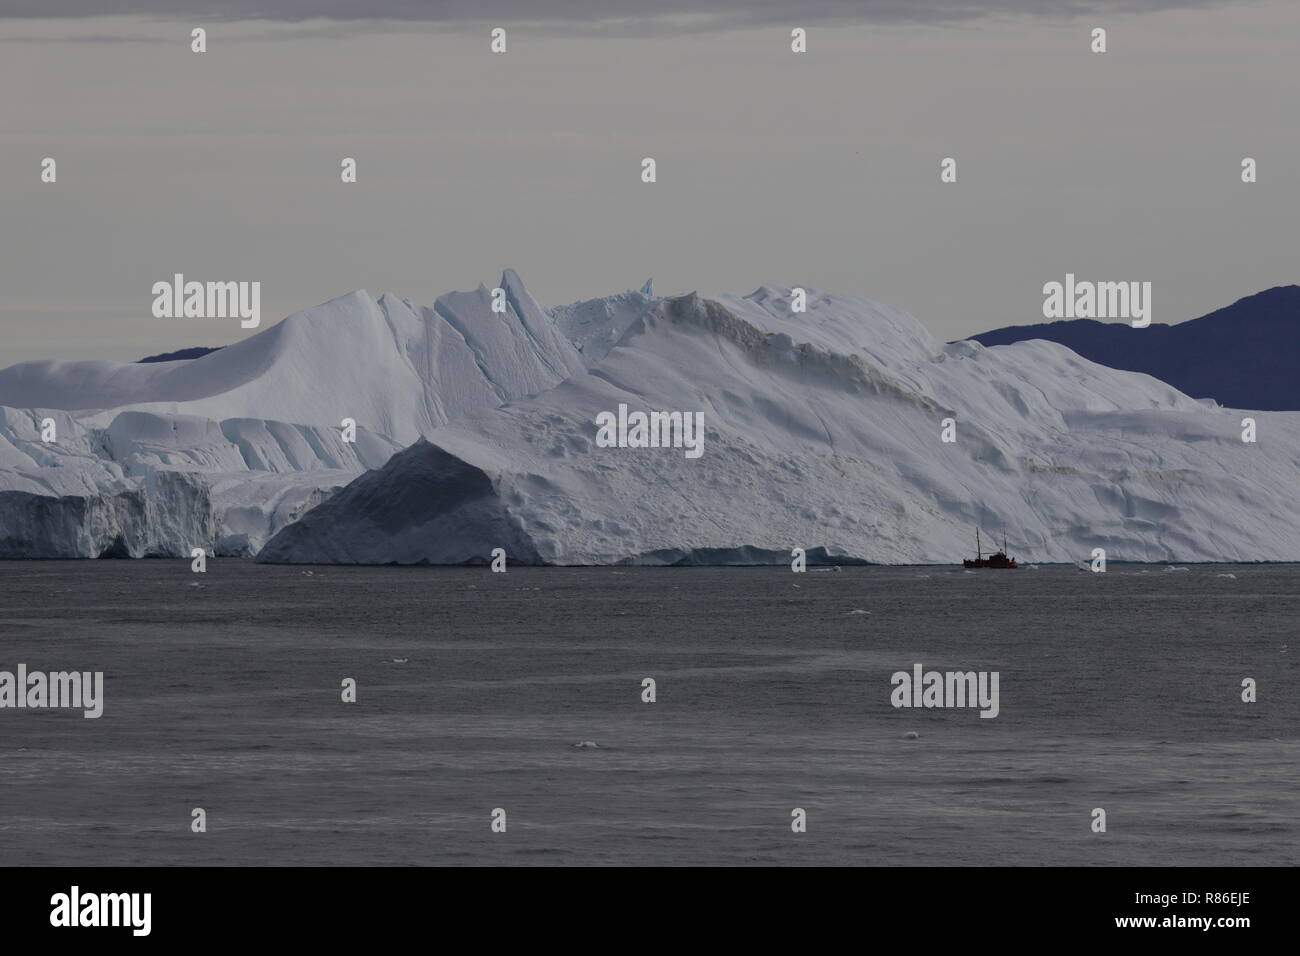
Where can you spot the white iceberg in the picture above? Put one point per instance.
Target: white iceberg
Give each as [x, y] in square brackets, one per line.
[823, 432]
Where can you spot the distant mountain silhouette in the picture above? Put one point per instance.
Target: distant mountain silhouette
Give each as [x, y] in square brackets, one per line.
[1245, 355]
[196, 352]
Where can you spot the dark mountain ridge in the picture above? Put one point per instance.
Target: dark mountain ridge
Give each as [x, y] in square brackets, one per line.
[1245, 355]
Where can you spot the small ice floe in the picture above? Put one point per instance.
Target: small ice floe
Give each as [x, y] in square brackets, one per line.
[794, 585]
[398, 660]
[1172, 568]
[1083, 565]
[858, 610]
[308, 574]
[911, 735]
[196, 584]
[1232, 576]
[587, 745]
[834, 567]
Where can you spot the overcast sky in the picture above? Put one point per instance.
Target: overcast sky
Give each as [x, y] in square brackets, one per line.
[819, 169]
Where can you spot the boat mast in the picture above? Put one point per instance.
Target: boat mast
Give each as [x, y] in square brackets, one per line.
[978, 552]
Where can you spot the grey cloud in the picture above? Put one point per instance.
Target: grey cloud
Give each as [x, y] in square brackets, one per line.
[84, 38]
[633, 16]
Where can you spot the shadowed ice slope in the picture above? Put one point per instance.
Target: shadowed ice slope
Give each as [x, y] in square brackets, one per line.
[423, 507]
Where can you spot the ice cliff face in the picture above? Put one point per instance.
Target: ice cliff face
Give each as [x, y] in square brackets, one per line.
[822, 431]
[155, 518]
[150, 485]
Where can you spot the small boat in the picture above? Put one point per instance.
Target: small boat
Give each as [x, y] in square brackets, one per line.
[998, 559]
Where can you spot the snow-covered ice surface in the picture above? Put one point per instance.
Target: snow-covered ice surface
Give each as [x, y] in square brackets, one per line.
[395, 367]
[822, 431]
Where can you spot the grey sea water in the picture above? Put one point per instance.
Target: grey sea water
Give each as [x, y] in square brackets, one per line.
[1119, 690]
